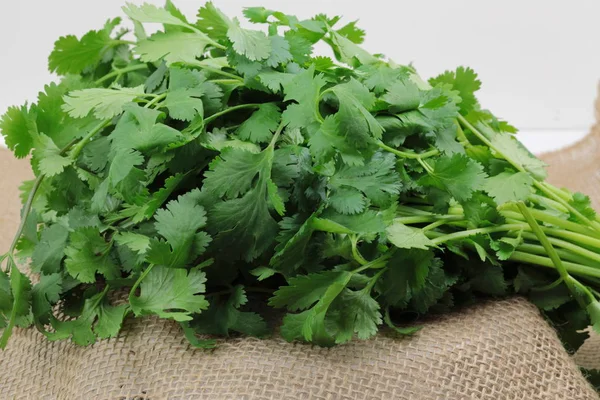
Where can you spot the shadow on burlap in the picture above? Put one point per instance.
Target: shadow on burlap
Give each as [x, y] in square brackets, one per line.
[495, 351]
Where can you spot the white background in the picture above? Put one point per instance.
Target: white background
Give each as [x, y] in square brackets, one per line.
[539, 60]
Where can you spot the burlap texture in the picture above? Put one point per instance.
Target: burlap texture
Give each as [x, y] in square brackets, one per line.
[497, 350]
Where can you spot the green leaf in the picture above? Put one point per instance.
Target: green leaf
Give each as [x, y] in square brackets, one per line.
[280, 51]
[88, 254]
[263, 273]
[72, 56]
[310, 324]
[104, 103]
[172, 47]
[149, 13]
[405, 237]
[459, 175]
[255, 45]
[445, 140]
[122, 164]
[135, 241]
[354, 116]
[184, 104]
[465, 81]
[357, 312]
[509, 187]
[44, 295]
[213, 22]
[48, 157]
[354, 187]
[349, 53]
[224, 316]
[509, 147]
[437, 283]
[179, 224]
[138, 129]
[583, 204]
[19, 310]
[305, 290]
[352, 32]
[304, 88]
[407, 272]
[261, 125]
[19, 130]
[97, 319]
[171, 293]
[402, 95]
[50, 251]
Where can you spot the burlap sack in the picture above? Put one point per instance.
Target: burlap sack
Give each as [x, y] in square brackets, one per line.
[497, 350]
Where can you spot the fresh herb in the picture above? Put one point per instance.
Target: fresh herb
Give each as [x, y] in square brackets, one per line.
[206, 171]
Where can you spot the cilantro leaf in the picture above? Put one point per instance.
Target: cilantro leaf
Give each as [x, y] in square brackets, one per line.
[225, 316]
[170, 293]
[104, 103]
[48, 157]
[172, 47]
[459, 175]
[509, 187]
[179, 224]
[19, 131]
[512, 148]
[358, 313]
[88, 254]
[304, 88]
[465, 81]
[260, 126]
[354, 117]
[98, 319]
[405, 237]
[72, 55]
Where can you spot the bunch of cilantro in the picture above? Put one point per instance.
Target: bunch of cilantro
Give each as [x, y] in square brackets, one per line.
[209, 171]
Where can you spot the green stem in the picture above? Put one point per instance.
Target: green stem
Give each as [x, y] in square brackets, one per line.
[556, 260]
[24, 216]
[155, 100]
[551, 219]
[374, 280]
[355, 253]
[426, 166]
[577, 269]
[590, 255]
[542, 186]
[547, 189]
[564, 254]
[120, 72]
[434, 225]
[140, 279]
[215, 71]
[545, 202]
[405, 154]
[79, 147]
[471, 232]
[549, 286]
[225, 81]
[380, 262]
[211, 118]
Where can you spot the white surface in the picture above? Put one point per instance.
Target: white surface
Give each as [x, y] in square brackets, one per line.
[538, 59]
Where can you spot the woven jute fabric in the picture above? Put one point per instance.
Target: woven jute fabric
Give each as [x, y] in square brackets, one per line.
[494, 351]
